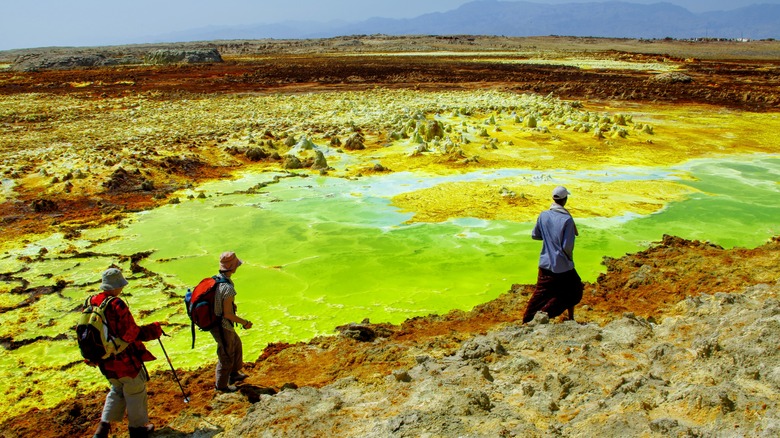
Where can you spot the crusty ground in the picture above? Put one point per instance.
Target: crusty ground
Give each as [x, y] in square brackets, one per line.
[677, 268]
[290, 67]
[647, 283]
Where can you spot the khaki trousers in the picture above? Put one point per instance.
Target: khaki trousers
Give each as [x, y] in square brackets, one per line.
[230, 355]
[127, 394]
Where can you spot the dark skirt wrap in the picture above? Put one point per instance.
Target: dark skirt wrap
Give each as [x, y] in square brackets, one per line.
[554, 293]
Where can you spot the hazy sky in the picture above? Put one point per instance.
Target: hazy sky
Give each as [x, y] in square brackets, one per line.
[40, 23]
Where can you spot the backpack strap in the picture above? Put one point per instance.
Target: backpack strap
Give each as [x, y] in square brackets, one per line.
[105, 302]
[108, 299]
[114, 337]
[192, 330]
[103, 307]
[220, 279]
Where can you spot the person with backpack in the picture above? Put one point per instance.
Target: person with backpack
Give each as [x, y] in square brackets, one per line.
[124, 370]
[230, 352]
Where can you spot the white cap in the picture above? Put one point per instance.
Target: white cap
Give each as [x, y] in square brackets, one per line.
[560, 192]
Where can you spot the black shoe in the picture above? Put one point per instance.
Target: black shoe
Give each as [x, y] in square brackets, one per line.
[226, 389]
[103, 430]
[141, 432]
[237, 377]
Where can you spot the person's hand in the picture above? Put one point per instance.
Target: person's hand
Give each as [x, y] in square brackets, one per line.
[150, 332]
[247, 324]
[157, 329]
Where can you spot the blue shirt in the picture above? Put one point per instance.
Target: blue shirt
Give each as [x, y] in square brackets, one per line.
[555, 228]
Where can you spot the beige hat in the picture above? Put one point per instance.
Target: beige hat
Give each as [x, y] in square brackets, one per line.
[113, 279]
[228, 261]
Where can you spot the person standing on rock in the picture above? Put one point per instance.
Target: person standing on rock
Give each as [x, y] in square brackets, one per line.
[125, 371]
[230, 352]
[558, 286]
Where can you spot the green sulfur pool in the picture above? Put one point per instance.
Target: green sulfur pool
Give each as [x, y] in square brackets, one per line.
[321, 252]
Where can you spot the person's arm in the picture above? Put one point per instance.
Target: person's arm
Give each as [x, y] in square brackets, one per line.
[227, 313]
[125, 327]
[536, 233]
[569, 232]
[128, 329]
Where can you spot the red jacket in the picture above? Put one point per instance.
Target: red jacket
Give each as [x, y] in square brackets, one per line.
[121, 323]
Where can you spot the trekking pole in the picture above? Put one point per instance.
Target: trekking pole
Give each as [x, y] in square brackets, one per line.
[186, 399]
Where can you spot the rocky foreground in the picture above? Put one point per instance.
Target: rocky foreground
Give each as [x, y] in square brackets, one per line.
[678, 340]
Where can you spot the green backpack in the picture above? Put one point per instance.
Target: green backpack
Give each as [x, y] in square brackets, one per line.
[95, 339]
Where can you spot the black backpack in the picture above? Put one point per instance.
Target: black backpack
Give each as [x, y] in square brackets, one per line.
[96, 341]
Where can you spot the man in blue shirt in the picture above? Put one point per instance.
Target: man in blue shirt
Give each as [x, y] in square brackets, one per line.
[558, 286]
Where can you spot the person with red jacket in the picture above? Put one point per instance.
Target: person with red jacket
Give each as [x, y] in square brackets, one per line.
[125, 371]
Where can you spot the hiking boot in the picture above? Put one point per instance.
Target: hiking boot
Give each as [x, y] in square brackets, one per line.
[141, 432]
[226, 389]
[102, 430]
[237, 377]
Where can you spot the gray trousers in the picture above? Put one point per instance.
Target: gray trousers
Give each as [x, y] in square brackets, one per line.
[127, 393]
[230, 355]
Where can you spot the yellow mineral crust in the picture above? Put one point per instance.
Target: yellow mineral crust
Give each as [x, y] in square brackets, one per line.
[515, 200]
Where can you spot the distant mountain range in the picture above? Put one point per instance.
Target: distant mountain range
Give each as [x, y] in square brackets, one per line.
[509, 18]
